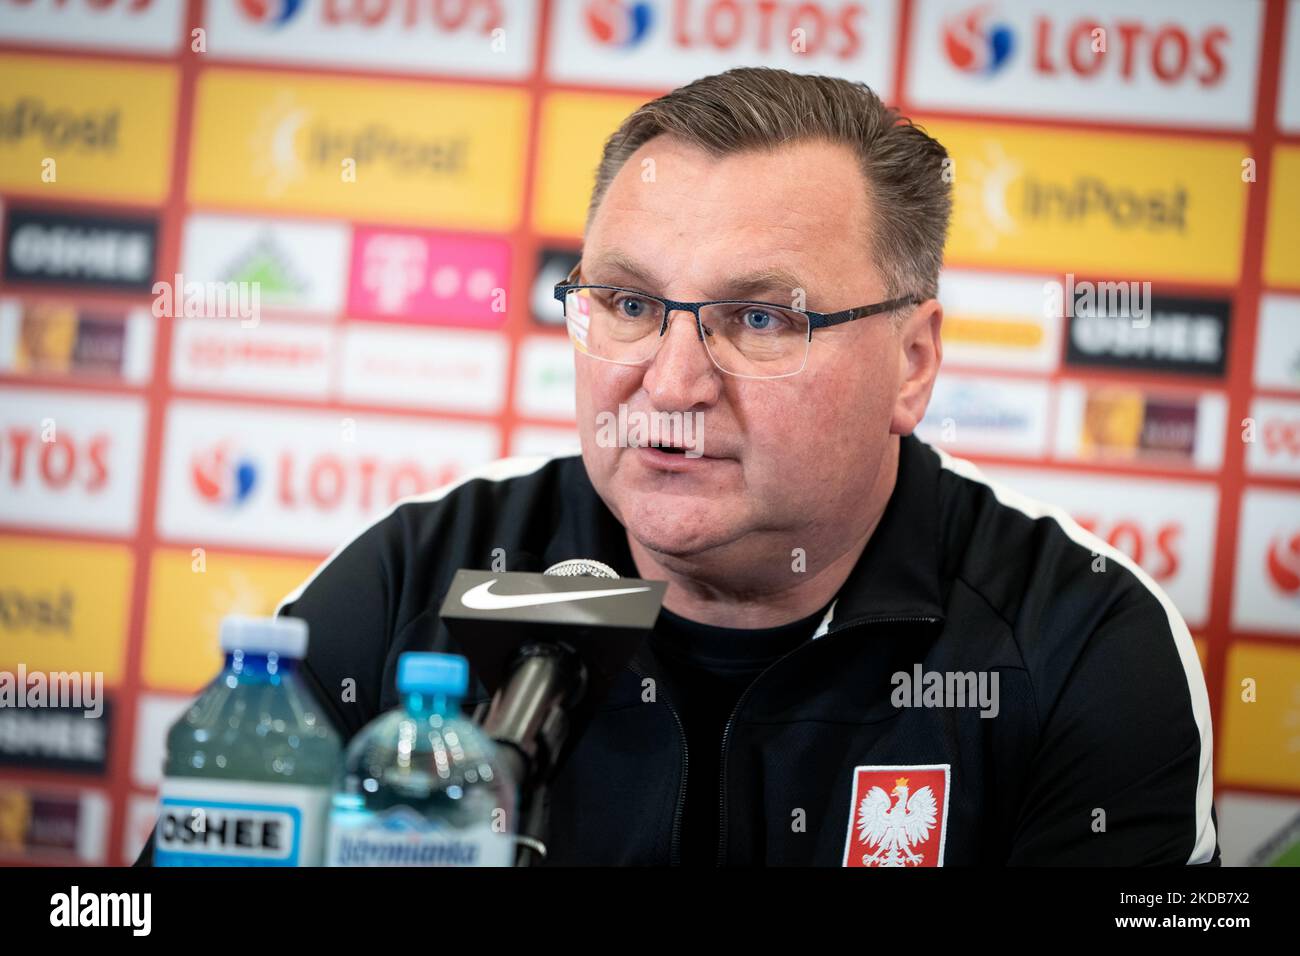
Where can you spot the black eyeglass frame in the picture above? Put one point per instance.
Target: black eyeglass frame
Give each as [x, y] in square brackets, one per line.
[816, 320]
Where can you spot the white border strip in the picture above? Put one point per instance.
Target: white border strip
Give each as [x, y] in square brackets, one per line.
[1203, 849]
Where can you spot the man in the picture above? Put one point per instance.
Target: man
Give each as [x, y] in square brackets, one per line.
[832, 581]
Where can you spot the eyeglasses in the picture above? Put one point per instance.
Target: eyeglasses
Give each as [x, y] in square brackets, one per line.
[745, 339]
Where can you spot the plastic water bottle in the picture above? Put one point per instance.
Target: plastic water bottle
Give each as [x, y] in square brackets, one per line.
[251, 765]
[421, 784]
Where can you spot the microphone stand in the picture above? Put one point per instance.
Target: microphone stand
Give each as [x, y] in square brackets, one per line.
[529, 720]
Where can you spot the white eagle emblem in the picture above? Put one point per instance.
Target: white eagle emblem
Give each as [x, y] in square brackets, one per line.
[889, 830]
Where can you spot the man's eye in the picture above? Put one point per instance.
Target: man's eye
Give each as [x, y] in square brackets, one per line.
[632, 307]
[760, 320]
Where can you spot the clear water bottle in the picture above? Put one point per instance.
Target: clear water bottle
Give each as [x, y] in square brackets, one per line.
[421, 784]
[251, 765]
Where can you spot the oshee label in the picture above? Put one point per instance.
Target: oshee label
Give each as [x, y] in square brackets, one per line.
[236, 823]
[402, 837]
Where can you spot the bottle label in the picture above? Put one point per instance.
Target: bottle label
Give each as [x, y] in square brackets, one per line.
[402, 837]
[240, 823]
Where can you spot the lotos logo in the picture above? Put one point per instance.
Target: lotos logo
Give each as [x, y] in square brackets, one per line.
[275, 13]
[1284, 564]
[974, 48]
[222, 478]
[1155, 547]
[1282, 436]
[618, 24]
[615, 23]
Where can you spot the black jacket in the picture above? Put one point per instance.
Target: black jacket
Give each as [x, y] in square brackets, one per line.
[1100, 751]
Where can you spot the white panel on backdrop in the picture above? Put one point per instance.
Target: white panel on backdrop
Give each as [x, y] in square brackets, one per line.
[531, 440]
[308, 481]
[1288, 93]
[983, 415]
[1195, 425]
[991, 320]
[1266, 589]
[154, 716]
[1162, 62]
[105, 342]
[544, 382]
[1277, 343]
[272, 358]
[141, 814]
[1168, 527]
[1257, 830]
[423, 368]
[126, 25]
[654, 44]
[70, 460]
[478, 38]
[299, 266]
[1275, 449]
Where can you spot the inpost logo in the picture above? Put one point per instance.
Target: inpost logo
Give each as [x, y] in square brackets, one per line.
[440, 155]
[63, 603]
[1160, 207]
[76, 129]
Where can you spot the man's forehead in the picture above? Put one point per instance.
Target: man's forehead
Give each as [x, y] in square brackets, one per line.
[619, 266]
[779, 220]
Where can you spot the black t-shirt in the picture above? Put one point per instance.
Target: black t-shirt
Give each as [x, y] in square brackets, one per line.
[706, 670]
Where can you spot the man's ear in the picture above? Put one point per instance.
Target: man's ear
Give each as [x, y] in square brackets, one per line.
[919, 356]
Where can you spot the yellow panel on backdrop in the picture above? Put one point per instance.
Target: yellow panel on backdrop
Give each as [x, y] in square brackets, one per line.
[72, 129]
[188, 597]
[1282, 238]
[574, 127]
[1258, 740]
[1110, 204]
[432, 154]
[65, 605]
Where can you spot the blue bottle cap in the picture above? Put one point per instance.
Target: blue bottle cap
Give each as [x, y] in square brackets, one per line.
[426, 673]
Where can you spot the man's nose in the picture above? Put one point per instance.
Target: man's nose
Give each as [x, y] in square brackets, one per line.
[682, 374]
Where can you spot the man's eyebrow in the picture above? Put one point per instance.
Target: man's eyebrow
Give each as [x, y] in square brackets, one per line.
[775, 282]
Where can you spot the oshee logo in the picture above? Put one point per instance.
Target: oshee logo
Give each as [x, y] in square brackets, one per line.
[975, 47]
[615, 23]
[92, 251]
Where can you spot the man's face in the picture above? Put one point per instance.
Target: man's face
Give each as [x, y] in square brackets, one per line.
[787, 460]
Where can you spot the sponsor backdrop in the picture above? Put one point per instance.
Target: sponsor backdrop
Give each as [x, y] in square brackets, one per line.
[359, 207]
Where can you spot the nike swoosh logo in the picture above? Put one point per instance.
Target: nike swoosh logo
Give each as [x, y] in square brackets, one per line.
[481, 598]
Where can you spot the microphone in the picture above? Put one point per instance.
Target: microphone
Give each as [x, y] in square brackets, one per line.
[547, 647]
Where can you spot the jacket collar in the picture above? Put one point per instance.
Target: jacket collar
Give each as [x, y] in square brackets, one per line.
[898, 572]
[897, 575]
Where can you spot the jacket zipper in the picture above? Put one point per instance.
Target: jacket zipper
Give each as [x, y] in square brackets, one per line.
[674, 848]
[726, 732]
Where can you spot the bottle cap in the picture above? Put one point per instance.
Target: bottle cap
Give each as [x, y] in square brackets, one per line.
[426, 673]
[283, 636]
